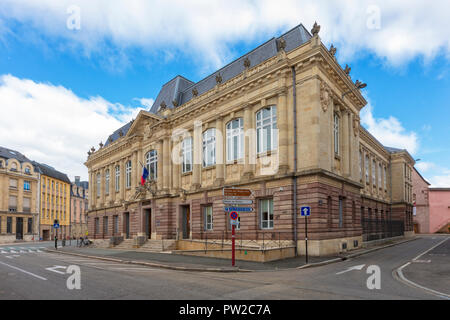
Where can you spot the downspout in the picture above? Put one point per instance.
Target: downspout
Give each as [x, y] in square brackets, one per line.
[294, 95]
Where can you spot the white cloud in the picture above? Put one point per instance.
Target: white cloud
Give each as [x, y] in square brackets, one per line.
[440, 181]
[424, 166]
[51, 124]
[146, 102]
[204, 28]
[390, 131]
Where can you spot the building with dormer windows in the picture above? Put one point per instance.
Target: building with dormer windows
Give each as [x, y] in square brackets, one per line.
[283, 121]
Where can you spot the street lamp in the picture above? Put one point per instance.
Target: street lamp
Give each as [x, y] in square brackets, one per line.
[358, 85]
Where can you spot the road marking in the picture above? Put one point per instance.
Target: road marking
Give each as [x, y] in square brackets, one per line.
[4, 251]
[24, 271]
[403, 278]
[56, 267]
[359, 268]
[430, 249]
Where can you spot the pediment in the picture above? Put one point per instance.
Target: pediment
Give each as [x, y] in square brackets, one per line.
[142, 123]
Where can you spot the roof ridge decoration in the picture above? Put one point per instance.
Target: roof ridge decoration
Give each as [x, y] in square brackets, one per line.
[315, 29]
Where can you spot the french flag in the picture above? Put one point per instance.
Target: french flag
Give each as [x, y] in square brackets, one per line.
[144, 175]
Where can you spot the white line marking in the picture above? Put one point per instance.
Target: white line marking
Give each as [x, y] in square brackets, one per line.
[400, 274]
[359, 268]
[430, 249]
[4, 251]
[24, 271]
[56, 267]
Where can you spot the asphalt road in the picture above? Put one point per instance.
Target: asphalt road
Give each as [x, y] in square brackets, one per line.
[27, 273]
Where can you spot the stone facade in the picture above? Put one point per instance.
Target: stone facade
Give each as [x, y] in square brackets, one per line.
[79, 195]
[317, 154]
[19, 197]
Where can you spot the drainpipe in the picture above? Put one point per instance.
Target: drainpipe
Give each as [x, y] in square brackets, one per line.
[294, 95]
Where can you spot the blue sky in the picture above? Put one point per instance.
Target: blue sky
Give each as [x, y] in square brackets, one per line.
[101, 75]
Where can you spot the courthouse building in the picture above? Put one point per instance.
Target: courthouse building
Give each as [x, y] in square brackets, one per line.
[19, 197]
[282, 120]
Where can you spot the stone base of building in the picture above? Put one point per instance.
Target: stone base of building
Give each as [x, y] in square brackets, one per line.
[328, 247]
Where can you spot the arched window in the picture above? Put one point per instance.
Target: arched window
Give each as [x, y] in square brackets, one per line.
[151, 163]
[366, 163]
[209, 147]
[27, 170]
[128, 174]
[235, 139]
[107, 181]
[266, 129]
[186, 149]
[14, 166]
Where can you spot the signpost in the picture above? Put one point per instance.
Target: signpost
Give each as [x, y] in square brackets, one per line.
[233, 217]
[236, 200]
[305, 211]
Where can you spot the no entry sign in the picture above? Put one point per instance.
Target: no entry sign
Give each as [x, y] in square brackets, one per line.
[233, 215]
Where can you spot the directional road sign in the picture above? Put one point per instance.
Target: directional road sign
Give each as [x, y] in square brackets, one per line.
[305, 211]
[241, 209]
[234, 192]
[237, 201]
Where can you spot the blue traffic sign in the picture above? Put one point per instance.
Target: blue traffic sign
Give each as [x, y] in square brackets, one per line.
[305, 211]
[242, 209]
[56, 225]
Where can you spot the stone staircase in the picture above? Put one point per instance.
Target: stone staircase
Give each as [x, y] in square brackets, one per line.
[159, 245]
[126, 244]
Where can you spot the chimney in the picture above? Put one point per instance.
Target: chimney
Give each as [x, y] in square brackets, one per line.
[77, 180]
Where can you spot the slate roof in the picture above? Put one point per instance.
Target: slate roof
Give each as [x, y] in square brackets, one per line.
[393, 150]
[6, 154]
[179, 89]
[50, 172]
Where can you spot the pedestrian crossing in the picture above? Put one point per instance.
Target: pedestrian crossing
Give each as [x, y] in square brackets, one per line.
[21, 250]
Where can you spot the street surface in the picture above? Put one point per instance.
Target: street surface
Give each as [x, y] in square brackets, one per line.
[28, 272]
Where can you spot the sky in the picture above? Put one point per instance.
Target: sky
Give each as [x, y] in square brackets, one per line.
[74, 71]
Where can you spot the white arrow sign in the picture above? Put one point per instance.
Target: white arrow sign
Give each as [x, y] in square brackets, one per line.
[360, 267]
[56, 267]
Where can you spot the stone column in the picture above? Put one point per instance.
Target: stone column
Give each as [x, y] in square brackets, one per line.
[102, 187]
[198, 155]
[219, 152]
[122, 179]
[160, 173]
[345, 157]
[140, 161]
[176, 167]
[283, 141]
[166, 163]
[134, 170]
[112, 177]
[249, 142]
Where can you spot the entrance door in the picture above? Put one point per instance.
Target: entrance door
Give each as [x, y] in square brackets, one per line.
[127, 225]
[19, 228]
[186, 222]
[46, 235]
[148, 222]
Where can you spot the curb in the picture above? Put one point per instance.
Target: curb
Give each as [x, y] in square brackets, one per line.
[150, 264]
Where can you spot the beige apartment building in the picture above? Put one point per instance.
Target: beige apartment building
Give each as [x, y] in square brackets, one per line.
[19, 197]
[283, 121]
[79, 195]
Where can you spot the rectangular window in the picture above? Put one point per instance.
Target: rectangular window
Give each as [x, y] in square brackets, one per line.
[341, 212]
[336, 134]
[208, 212]
[9, 225]
[379, 176]
[186, 149]
[98, 185]
[106, 182]
[13, 183]
[374, 168]
[26, 204]
[27, 185]
[266, 213]
[366, 164]
[235, 139]
[12, 203]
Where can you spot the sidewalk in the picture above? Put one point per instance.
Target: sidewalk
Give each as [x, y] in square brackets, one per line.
[203, 264]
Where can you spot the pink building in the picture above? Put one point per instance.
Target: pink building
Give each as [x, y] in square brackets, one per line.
[421, 209]
[439, 210]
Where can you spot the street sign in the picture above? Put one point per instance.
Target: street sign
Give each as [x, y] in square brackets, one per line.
[56, 225]
[237, 201]
[233, 192]
[233, 215]
[241, 209]
[234, 222]
[305, 211]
